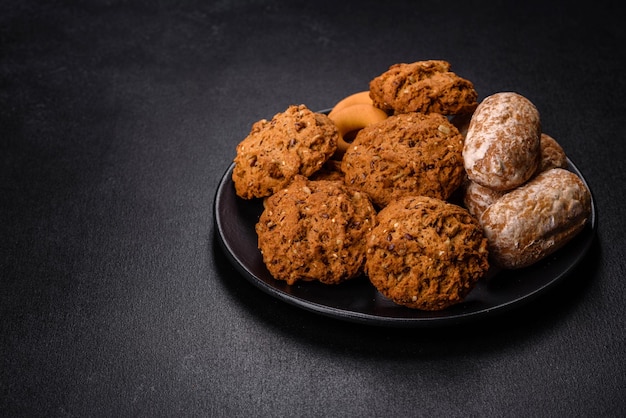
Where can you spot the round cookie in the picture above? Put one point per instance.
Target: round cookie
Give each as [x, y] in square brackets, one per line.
[315, 230]
[423, 86]
[297, 141]
[406, 154]
[425, 253]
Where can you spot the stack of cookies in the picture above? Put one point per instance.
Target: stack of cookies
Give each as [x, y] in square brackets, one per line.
[376, 201]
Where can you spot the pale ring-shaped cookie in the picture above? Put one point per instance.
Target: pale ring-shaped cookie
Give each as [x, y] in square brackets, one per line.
[362, 97]
[353, 118]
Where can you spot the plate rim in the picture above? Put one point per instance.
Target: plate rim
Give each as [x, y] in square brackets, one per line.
[391, 321]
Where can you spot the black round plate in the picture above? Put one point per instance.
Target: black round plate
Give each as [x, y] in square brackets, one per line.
[358, 300]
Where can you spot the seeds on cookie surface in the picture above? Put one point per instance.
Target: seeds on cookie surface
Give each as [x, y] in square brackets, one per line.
[319, 222]
[409, 253]
[296, 141]
[323, 232]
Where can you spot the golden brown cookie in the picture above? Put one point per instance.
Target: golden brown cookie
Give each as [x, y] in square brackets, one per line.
[426, 253]
[315, 230]
[406, 154]
[297, 141]
[423, 86]
[331, 170]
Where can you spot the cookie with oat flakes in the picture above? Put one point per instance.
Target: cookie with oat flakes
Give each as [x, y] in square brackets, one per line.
[297, 141]
[423, 86]
[406, 154]
[426, 253]
[315, 230]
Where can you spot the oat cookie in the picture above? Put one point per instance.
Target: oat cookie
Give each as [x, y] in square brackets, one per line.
[331, 170]
[315, 230]
[297, 141]
[426, 253]
[406, 154]
[423, 86]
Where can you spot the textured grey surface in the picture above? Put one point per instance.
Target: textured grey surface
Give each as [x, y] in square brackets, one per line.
[117, 121]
